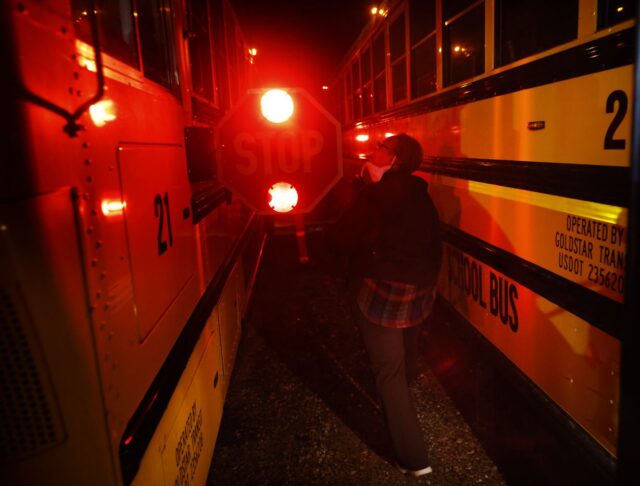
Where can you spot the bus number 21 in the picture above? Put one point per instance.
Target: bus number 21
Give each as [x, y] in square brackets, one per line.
[161, 206]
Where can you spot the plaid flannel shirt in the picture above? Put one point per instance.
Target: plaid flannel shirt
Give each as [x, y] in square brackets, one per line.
[394, 304]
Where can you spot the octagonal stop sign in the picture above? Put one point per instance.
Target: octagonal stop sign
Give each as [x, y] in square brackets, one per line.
[255, 154]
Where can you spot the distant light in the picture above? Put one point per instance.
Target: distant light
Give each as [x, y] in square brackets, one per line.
[374, 10]
[456, 48]
[620, 9]
[362, 137]
[276, 105]
[253, 51]
[102, 112]
[363, 157]
[112, 207]
[325, 88]
[383, 12]
[388, 134]
[284, 197]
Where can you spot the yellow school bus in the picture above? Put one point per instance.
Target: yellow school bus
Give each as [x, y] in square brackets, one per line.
[523, 110]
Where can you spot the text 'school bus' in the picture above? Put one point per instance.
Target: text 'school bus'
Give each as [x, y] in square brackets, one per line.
[125, 267]
[523, 109]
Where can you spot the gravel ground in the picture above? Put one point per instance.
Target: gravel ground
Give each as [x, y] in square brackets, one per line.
[302, 407]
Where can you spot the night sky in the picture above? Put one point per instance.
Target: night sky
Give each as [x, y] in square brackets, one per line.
[301, 43]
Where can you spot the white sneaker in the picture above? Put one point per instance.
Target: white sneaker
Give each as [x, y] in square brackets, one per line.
[414, 474]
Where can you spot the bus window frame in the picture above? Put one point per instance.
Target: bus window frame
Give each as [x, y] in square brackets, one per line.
[401, 12]
[367, 85]
[213, 100]
[446, 43]
[380, 77]
[170, 27]
[436, 34]
[357, 87]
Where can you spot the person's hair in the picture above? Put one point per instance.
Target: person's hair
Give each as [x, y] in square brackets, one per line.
[407, 150]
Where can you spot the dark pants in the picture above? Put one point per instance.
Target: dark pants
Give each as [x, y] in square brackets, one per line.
[388, 349]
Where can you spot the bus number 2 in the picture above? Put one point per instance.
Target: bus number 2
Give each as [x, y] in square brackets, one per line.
[621, 97]
[161, 205]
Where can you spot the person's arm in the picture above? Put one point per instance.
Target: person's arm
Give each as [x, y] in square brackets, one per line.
[358, 227]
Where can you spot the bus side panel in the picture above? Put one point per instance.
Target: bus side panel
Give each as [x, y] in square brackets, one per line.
[573, 362]
[230, 321]
[159, 229]
[182, 445]
[581, 241]
[497, 128]
[51, 338]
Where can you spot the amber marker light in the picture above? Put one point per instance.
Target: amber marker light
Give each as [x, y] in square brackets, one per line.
[276, 105]
[102, 112]
[284, 197]
[112, 207]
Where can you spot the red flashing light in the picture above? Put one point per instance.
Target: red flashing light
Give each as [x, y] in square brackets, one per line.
[112, 208]
[276, 105]
[284, 197]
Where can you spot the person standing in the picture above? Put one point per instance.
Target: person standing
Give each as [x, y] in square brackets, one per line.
[389, 234]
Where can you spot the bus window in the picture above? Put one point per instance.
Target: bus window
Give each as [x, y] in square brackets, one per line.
[526, 27]
[397, 52]
[221, 87]
[116, 25]
[423, 47]
[611, 12]
[242, 51]
[357, 93]
[379, 83]
[337, 95]
[367, 84]
[232, 59]
[463, 43]
[348, 90]
[202, 74]
[159, 63]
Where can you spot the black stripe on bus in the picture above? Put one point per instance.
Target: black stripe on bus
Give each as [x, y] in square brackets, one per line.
[608, 52]
[597, 310]
[146, 418]
[606, 185]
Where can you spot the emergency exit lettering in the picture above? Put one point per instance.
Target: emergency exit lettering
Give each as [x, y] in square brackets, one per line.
[284, 151]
